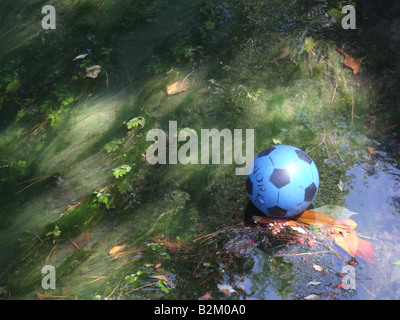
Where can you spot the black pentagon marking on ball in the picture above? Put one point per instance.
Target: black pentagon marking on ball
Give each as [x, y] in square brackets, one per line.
[279, 178]
[303, 156]
[266, 152]
[249, 186]
[310, 192]
[277, 211]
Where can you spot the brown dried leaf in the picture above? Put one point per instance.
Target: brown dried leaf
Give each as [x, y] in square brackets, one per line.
[93, 71]
[80, 241]
[350, 62]
[163, 278]
[178, 86]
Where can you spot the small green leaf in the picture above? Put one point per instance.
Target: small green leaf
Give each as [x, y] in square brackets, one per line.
[397, 263]
[121, 170]
[13, 86]
[135, 122]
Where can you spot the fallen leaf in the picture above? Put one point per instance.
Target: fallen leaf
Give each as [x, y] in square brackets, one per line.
[298, 229]
[371, 150]
[204, 90]
[93, 71]
[178, 86]
[317, 267]
[163, 278]
[171, 246]
[365, 251]
[116, 249]
[347, 240]
[349, 61]
[81, 56]
[225, 288]
[341, 231]
[80, 241]
[158, 265]
[312, 297]
[310, 243]
[314, 283]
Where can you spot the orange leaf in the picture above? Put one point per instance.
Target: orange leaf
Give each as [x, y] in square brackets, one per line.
[351, 223]
[341, 232]
[371, 150]
[116, 249]
[364, 251]
[350, 62]
[163, 278]
[348, 241]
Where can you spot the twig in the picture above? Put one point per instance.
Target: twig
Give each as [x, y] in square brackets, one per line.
[97, 278]
[298, 254]
[146, 285]
[212, 276]
[51, 251]
[352, 108]
[326, 146]
[335, 148]
[106, 77]
[187, 76]
[240, 279]
[395, 125]
[112, 292]
[323, 140]
[334, 92]
[46, 177]
[369, 291]
[101, 3]
[75, 245]
[213, 234]
[31, 252]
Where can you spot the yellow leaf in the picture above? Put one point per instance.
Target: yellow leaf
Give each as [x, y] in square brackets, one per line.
[348, 241]
[351, 223]
[116, 249]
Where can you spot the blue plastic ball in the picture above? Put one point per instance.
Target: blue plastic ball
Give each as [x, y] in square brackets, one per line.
[284, 181]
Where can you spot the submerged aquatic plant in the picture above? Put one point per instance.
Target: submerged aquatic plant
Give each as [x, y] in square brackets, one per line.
[54, 234]
[121, 171]
[113, 145]
[102, 197]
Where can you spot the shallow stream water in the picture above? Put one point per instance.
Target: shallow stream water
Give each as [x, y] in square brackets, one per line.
[78, 193]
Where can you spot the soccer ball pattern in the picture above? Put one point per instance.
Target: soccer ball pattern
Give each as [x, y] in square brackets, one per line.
[284, 181]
